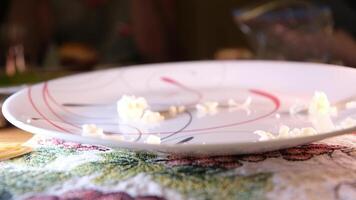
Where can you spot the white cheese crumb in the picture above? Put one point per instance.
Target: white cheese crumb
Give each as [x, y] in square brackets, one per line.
[91, 130]
[308, 131]
[233, 105]
[247, 102]
[131, 108]
[201, 108]
[151, 117]
[264, 135]
[320, 105]
[212, 106]
[135, 109]
[350, 105]
[347, 123]
[181, 109]
[152, 139]
[209, 107]
[175, 110]
[172, 111]
[285, 132]
[320, 112]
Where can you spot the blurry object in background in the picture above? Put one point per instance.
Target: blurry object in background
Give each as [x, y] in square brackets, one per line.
[99, 26]
[344, 14]
[77, 56]
[285, 29]
[297, 30]
[51, 59]
[123, 32]
[15, 61]
[29, 24]
[343, 48]
[233, 54]
[9, 150]
[19, 58]
[102, 26]
[13, 48]
[204, 27]
[30, 77]
[10, 67]
[155, 29]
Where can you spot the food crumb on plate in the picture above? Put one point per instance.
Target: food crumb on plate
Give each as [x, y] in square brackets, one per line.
[207, 108]
[350, 105]
[320, 112]
[153, 139]
[91, 130]
[347, 123]
[151, 117]
[136, 109]
[233, 105]
[286, 132]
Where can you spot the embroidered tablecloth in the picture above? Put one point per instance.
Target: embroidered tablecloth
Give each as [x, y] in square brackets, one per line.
[63, 170]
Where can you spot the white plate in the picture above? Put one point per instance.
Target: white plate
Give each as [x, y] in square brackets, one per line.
[59, 107]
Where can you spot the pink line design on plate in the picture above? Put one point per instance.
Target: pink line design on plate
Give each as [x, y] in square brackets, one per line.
[44, 96]
[265, 94]
[67, 110]
[184, 87]
[45, 91]
[273, 98]
[29, 95]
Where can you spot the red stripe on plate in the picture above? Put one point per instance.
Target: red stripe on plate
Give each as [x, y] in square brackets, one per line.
[29, 95]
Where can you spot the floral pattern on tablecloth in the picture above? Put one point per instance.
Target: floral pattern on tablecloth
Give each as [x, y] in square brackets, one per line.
[66, 170]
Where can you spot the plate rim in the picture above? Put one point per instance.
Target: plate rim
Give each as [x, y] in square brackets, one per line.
[175, 147]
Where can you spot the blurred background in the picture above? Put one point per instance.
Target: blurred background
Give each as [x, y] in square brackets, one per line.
[42, 39]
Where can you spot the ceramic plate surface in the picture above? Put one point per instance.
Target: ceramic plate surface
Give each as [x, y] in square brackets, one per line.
[59, 108]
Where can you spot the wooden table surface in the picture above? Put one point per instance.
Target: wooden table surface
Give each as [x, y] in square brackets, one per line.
[14, 135]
